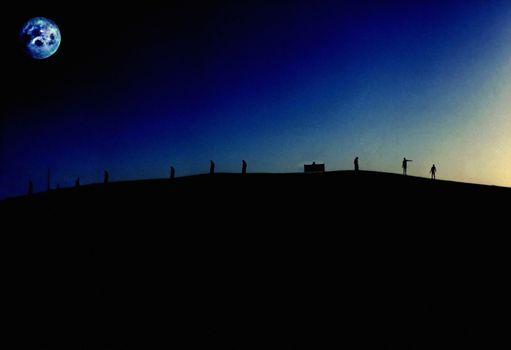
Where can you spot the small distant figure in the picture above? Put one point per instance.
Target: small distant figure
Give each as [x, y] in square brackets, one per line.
[30, 188]
[211, 167]
[355, 163]
[172, 172]
[106, 177]
[244, 167]
[77, 182]
[433, 172]
[405, 163]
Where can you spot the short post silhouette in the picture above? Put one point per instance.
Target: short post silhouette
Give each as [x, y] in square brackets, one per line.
[172, 172]
[106, 177]
[433, 172]
[405, 162]
[77, 182]
[244, 167]
[355, 163]
[30, 188]
[211, 167]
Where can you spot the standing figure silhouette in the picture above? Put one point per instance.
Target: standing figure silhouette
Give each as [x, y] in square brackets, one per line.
[106, 177]
[211, 167]
[244, 167]
[30, 188]
[172, 172]
[405, 161]
[355, 163]
[433, 171]
[77, 182]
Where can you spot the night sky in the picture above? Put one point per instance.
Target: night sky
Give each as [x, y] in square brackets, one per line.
[278, 83]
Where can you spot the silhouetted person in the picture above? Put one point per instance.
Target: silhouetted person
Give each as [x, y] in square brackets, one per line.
[106, 177]
[433, 171]
[30, 188]
[405, 161]
[355, 163]
[211, 167]
[172, 172]
[77, 182]
[244, 167]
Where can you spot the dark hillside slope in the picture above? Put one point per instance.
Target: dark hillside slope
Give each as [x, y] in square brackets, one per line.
[316, 198]
[260, 260]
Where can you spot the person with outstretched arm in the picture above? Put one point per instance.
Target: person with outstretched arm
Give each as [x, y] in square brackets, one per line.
[405, 162]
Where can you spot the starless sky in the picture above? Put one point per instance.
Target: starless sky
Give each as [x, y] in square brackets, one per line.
[138, 88]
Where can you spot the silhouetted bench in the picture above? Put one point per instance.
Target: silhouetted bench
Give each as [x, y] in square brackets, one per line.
[314, 168]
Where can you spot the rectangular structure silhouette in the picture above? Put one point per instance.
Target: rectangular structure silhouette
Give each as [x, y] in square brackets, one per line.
[314, 168]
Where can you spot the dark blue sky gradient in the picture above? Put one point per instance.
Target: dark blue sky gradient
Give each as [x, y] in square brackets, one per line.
[276, 83]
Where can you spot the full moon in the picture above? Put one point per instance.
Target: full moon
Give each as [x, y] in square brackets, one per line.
[40, 37]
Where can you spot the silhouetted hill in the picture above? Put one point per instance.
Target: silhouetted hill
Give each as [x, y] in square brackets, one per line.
[342, 258]
[202, 194]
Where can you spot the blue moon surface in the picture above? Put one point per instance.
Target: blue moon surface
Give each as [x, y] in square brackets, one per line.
[40, 37]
